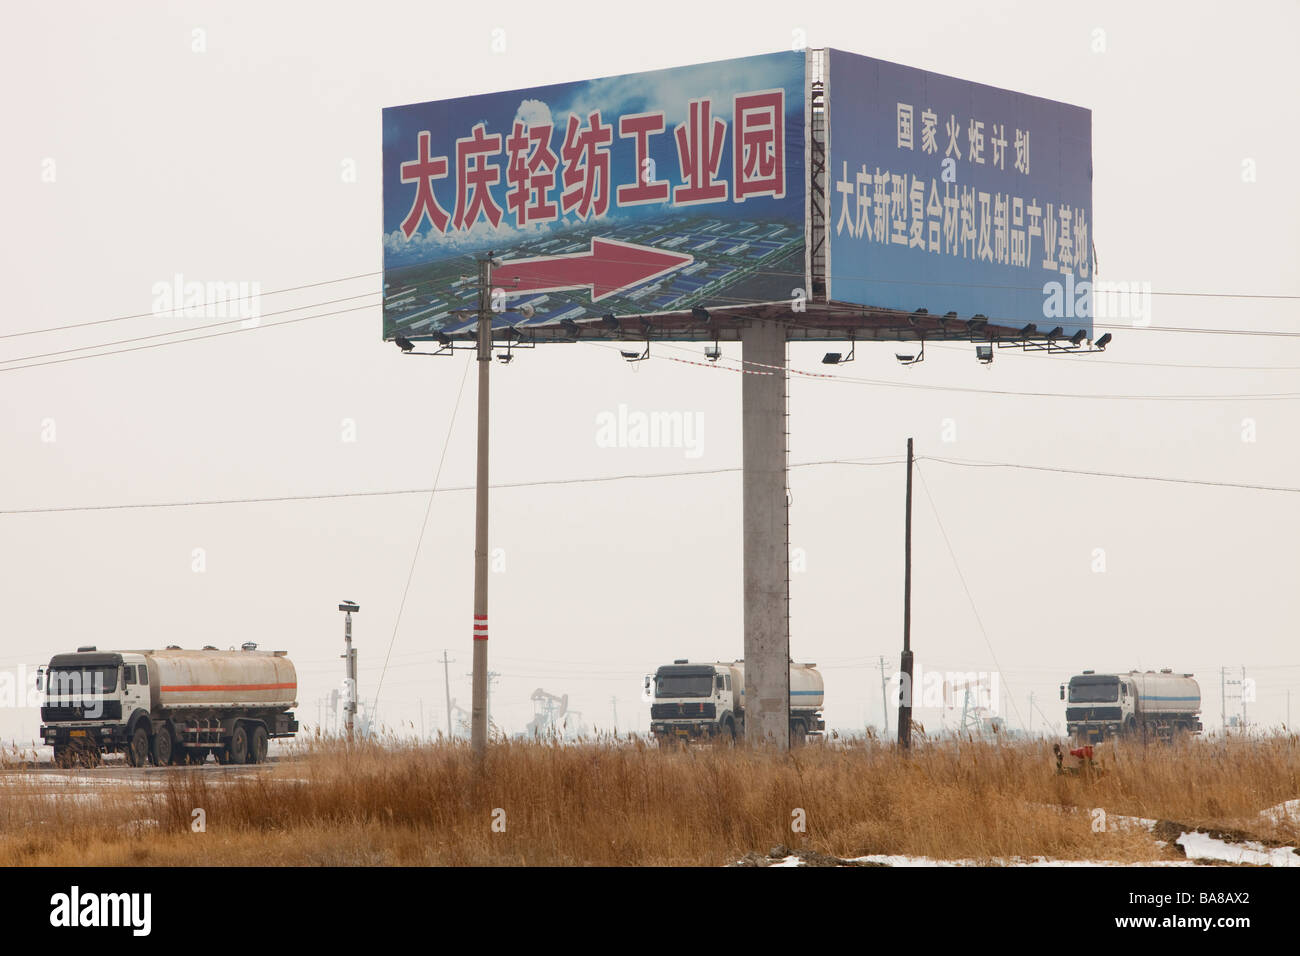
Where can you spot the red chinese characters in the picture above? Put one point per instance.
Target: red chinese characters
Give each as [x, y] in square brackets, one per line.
[699, 151]
[477, 176]
[646, 189]
[759, 148]
[536, 180]
[530, 174]
[586, 167]
[423, 172]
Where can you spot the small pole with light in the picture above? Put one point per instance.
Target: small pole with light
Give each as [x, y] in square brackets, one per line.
[350, 665]
[905, 698]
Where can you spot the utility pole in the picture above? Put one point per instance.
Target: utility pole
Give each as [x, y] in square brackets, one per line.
[884, 695]
[1244, 722]
[350, 659]
[1223, 699]
[479, 675]
[614, 703]
[905, 701]
[446, 683]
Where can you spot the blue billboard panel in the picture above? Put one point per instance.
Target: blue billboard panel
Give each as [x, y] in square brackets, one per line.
[631, 195]
[956, 197]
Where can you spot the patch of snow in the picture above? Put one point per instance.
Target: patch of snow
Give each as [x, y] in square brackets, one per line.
[1288, 812]
[1037, 861]
[1130, 822]
[1202, 846]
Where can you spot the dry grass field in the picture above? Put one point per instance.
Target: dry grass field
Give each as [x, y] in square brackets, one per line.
[625, 802]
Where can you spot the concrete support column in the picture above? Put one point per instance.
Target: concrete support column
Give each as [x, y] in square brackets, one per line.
[766, 552]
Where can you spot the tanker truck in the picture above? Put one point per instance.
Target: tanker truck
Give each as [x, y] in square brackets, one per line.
[708, 700]
[1145, 704]
[167, 706]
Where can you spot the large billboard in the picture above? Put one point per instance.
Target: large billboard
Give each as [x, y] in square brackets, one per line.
[631, 195]
[956, 197]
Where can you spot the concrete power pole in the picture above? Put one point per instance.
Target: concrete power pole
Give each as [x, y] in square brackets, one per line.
[446, 682]
[350, 665]
[479, 675]
[884, 696]
[905, 701]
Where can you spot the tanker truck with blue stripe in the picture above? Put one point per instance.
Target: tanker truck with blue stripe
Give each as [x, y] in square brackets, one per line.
[1148, 705]
[689, 701]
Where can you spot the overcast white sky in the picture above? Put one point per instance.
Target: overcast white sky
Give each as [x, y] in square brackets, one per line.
[227, 164]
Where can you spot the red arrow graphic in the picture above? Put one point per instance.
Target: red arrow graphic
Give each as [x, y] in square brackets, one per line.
[610, 267]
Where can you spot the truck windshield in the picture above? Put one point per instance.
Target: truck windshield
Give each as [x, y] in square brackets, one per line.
[682, 685]
[81, 681]
[1094, 692]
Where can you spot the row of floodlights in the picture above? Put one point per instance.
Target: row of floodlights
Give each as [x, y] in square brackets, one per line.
[974, 325]
[608, 321]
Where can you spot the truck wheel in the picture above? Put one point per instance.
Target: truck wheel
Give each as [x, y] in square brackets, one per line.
[137, 747]
[162, 746]
[257, 747]
[237, 749]
[197, 755]
[798, 733]
[729, 731]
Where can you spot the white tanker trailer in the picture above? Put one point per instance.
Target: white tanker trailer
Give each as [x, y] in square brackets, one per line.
[167, 706]
[708, 700]
[1148, 704]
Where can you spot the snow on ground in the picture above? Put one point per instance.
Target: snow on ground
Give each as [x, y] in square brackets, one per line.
[1202, 846]
[1288, 812]
[889, 859]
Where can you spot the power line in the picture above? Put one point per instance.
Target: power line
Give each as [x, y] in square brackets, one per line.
[114, 351]
[881, 383]
[197, 328]
[1109, 474]
[602, 479]
[193, 338]
[1096, 363]
[410, 575]
[965, 587]
[1106, 290]
[181, 308]
[423, 491]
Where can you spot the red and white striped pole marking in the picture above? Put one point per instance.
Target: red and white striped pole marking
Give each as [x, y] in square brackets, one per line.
[480, 627]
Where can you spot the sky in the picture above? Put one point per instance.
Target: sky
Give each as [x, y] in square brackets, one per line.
[240, 142]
